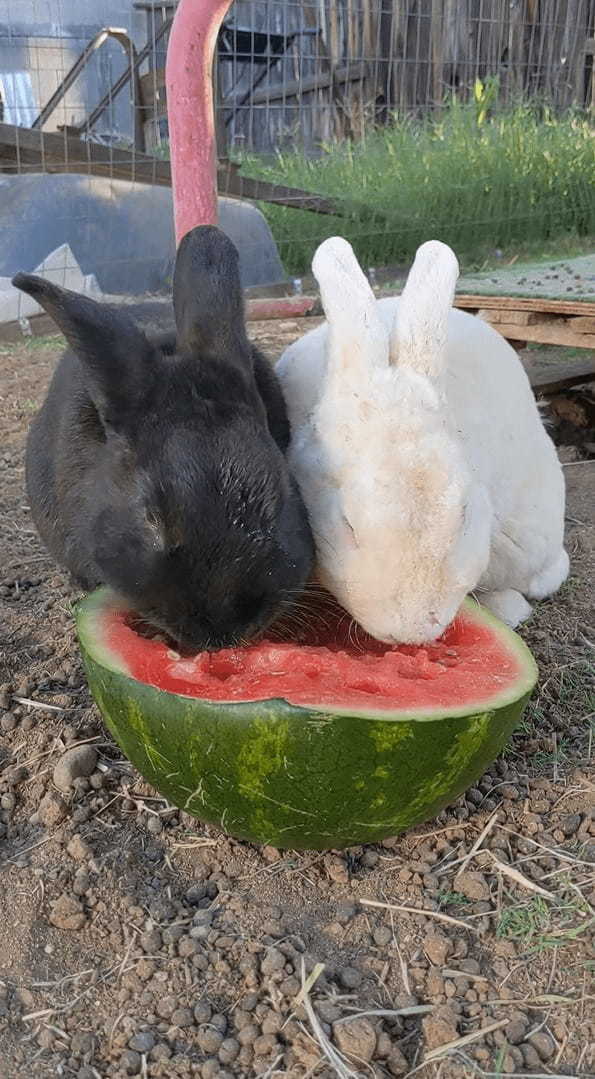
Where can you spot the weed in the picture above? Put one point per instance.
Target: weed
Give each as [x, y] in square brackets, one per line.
[538, 924]
[452, 899]
[520, 177]
[48, 340]
[499, 1061]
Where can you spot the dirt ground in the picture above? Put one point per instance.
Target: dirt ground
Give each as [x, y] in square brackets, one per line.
[134, 941]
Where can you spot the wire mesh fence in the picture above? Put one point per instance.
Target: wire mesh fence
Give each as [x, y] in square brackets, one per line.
[385, 120]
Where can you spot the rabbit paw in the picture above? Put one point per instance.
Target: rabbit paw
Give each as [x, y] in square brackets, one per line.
[508, 605]
[549, 580]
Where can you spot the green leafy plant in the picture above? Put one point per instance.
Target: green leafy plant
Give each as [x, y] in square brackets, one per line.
[476, 178]
[485, 95]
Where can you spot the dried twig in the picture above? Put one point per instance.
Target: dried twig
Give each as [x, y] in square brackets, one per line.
[437, 915]
[448, 973]
[462, 862]
[561, 855]
[334, 1058]
[387, 1013]
[311, 980]
[524, 882]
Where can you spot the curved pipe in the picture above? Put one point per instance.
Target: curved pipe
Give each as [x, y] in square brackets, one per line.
[190, 112]
[109, 33]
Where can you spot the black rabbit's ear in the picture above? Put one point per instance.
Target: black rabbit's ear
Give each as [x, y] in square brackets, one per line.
[119, 361]
[208, 300]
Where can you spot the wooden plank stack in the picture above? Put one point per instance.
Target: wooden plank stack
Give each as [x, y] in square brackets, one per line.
[546, 322]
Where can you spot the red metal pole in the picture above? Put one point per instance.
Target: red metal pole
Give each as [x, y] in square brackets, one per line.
[191, 113]
[279, 307]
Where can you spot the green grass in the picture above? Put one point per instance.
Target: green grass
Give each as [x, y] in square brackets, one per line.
[538, 924]
[519, 181]
[43, 341]
[452, 899]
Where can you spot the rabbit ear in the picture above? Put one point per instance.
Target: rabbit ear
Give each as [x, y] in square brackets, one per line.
[357, 336]
[118, 361]
[418, 339]
[208, 300]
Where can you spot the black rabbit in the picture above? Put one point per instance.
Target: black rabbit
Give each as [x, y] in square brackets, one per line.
[157, 466]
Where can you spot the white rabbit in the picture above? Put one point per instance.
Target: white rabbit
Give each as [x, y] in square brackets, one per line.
[420, 454]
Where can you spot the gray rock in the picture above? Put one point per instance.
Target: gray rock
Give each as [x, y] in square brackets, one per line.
[130, 1062]
[142, 1042]
[182, 1017]
[272, 961]
[76, 763]
[350, 977]
[209, 1039]
[543, 1044]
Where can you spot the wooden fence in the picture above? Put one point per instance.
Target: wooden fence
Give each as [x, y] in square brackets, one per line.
[352, 63]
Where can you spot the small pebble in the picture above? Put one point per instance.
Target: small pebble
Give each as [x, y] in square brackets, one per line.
[356, 1038]
[67, 912]
[78, 848]
[76, 763]
[151, 941]
[440, 1027]
[182, 1017]
[202, 1012]
[52, 809]
[472, 885]
[130, 1062]
[273, 960]
[570, 824]
[350, 977]
[543, 1044]
[209, 1039]
[142, 1042]
[229, 1050]
[437, 948]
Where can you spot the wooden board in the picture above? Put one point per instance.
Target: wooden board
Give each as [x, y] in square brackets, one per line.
[524, 303]
[570, 323]
[24, 150]
[554, 377]
[547, 333]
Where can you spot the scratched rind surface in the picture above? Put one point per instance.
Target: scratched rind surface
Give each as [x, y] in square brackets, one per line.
[273, 773]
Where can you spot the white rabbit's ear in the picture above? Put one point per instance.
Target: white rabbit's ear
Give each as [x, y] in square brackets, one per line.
[357, 337]
[418, 339]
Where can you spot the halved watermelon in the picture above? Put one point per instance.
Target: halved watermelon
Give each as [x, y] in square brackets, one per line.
[329, 740]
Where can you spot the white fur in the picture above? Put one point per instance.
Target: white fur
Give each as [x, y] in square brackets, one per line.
[420, 454]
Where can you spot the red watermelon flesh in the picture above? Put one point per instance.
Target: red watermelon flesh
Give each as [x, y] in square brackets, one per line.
[333, 665]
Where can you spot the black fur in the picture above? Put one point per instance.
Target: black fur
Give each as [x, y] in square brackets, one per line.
[157, 467]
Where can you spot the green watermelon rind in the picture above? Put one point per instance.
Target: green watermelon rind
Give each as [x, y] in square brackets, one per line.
[292, 777]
